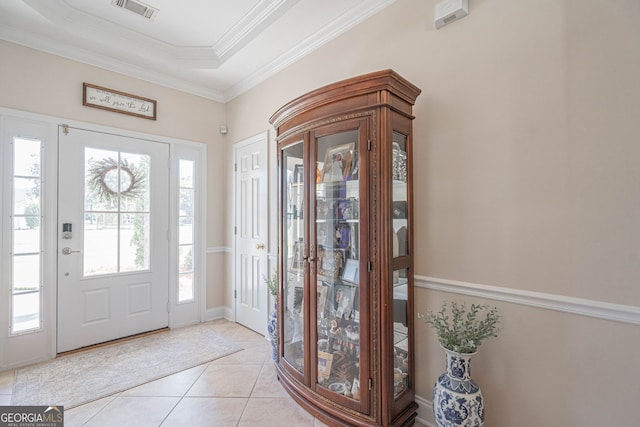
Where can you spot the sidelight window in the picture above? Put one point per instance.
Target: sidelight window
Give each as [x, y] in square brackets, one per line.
[185, 231]
[26, 235]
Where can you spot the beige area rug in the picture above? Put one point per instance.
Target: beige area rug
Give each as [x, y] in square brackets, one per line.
[75, 379]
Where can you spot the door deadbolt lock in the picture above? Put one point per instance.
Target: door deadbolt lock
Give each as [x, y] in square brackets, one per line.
[68, 251]
[66, 230]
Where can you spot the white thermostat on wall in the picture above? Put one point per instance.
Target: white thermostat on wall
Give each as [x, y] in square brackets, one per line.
[448, 11]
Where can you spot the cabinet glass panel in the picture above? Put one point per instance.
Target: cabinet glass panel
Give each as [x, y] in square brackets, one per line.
[294, 254]
[399, 174]
[338, 263]
[400, 249]
[400, 334]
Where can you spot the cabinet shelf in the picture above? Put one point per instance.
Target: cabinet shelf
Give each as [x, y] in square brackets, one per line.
[338, 221]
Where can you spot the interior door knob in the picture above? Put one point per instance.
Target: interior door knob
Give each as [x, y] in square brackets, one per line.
[260, 246]
[68, 251]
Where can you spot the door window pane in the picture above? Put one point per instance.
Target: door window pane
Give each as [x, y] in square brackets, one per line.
[100, 248]
[26, 273]
[27, 157]
[134, 185]
[26, 312]
[26, 234]
[185, 286]
[134, 242]
[185, 231]
[116, 216]
[26, 196]
[101, 180]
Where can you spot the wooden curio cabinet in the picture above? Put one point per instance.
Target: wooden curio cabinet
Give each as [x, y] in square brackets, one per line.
[345, 255]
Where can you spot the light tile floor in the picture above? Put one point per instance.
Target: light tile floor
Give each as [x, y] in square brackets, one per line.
[239, 390]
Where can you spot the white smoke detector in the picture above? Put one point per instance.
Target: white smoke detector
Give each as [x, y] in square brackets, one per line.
[448, 11]
[136, 7]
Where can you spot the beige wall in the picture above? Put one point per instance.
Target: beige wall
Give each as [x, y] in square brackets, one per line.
[526, 180]
[41, 83]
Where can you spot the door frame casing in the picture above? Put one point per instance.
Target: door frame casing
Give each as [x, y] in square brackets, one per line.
[31, 346]
[181, 314]
[48, 332]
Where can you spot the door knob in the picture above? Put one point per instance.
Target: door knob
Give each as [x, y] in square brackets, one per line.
[260, 246]
[68, 251]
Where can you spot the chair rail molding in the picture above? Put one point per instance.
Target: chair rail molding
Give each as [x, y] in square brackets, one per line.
[219, 249]
[581, 306]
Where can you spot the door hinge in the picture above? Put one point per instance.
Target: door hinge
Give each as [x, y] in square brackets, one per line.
[369, 266]
[235, 229]
[370, 383]
[235, 167]
[65, 129]
[168, 307]
[369, 145]
[235, 294]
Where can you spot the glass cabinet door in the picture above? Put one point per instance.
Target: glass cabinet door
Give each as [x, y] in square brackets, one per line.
[337, 273]
[401, 262]
[294, 256]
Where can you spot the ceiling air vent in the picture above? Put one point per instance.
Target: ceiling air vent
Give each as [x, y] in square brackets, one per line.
[136, 7]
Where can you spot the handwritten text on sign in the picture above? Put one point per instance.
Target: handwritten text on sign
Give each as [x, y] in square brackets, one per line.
[99, 97]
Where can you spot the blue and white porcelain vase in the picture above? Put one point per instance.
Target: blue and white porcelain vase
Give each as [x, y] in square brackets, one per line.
[272, 330]
[457, 399]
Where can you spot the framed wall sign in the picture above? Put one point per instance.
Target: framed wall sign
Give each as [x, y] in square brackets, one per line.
[120, 102]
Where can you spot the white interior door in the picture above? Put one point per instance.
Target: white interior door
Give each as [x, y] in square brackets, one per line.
[113, 213]
[251, 232]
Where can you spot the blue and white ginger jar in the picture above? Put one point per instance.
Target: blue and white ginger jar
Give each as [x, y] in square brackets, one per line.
[272, 330]
[457, 399]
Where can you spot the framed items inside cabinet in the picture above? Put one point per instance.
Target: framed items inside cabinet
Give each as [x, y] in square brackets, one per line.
[351, 273]
[330, 261]
[297, 260]
[338, 163]
[342, 301]
[298, 174]
[322, 291]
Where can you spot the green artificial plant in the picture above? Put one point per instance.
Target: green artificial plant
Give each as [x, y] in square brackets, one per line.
[272, 283]
[462, 330]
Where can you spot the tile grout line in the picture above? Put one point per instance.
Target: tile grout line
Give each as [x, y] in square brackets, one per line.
[250, 393]
[101, 409]
[198, 377]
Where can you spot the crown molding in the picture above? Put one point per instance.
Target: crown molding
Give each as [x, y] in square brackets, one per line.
[51, 46]
[245, 30]
[195, 57]
[353, 17]
[90, 27]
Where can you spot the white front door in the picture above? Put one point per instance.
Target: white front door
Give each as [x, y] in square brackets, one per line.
[113, 214]
[251, 221]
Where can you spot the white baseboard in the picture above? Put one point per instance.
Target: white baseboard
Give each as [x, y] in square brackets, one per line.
[425, 412]
[217, 313]
[580, 306]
